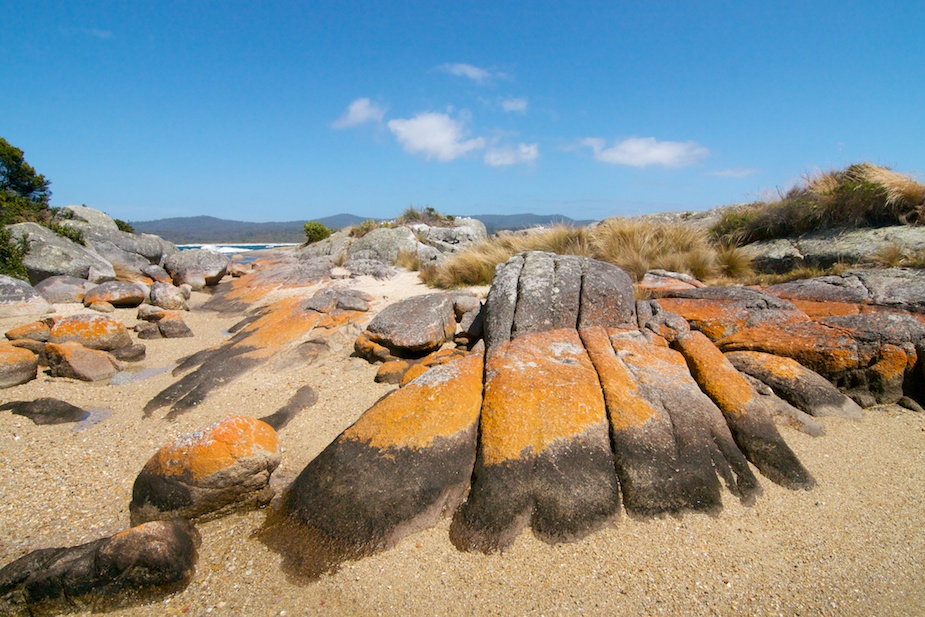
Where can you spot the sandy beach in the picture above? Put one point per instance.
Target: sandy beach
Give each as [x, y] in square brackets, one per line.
[854, 545]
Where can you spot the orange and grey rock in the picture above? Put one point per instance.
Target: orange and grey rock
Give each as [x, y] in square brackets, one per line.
[17, 365]
[91, 331]
[71, 359]
[403, 463]
[200, 476]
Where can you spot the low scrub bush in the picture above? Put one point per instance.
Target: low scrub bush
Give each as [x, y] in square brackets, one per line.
[315, 231]
[427, 216]
[361, 229]
[123, 226]
[12, 253]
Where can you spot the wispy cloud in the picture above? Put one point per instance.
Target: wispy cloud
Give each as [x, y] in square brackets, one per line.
[359, 112]
[476, 74]
[505, 157]
[97, 33]
[645, 151]
[735, 172]
[516, 105]
[436, 136]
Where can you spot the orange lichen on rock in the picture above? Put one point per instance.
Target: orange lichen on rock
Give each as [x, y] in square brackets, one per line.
[539, 388]
[715, 318]
[786, 368]
[824, 349]
[91, 331]
[283, 322]
[36, 331]
[215, 448]
[893, 363]
[625, 407]
[817, 310]
[713, 372]
[442, 402]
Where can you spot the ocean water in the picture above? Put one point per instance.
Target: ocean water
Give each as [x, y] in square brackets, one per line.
[234, 248]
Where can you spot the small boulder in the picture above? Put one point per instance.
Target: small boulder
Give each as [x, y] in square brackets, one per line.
[71, 359]
[141, 563]
[92, 331]
[168, 297]
[35, 331]
[116, 293]
[156, 273]
[63, 289]
[17, 366]
[206, 474]
[415, 326]
[197, 267]
[132, 353]
[18, 299]
[46, 411]
[171, 325]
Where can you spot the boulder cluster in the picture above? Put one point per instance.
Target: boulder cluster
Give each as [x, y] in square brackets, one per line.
[559, 402]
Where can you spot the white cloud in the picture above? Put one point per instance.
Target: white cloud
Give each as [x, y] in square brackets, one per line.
[735, 172]
[434, 135]
[645, 151]
[504, 157]
[476, 74]
[359, 112]
[514, 105]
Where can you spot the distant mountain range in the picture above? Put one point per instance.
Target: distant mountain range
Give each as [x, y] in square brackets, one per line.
[211, 230]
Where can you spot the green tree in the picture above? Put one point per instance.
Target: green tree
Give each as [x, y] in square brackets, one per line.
[24, 193]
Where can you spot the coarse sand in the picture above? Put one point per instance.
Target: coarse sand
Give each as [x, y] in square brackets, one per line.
[854, 545]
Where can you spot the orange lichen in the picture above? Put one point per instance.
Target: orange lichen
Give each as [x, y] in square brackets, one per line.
[413, 373]
[443, 402]
[283, 322]
[36, 331]
[539, 388]
[715, 318]
[785, 368]
[824, 349]
[215, 448]
[91, 330]
[714, 373]
[892, 363]
[818, 310]
[625, 408]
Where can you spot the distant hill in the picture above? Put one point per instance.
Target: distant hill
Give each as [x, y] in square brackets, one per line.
[211, 230]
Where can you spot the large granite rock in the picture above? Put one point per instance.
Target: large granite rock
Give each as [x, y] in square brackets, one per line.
[18, 299]
[52, 255]
[92, 331]
[116, 293]
[64, 289]
[415, 326]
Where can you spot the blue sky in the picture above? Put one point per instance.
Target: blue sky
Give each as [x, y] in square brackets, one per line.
[273, 111]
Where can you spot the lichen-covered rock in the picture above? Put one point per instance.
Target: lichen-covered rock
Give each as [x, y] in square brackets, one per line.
[203, 475]
[544, 455]
[137, 565]
[18, 299]
[71, 359]
[35, 330]
[116, 293]
[796, 384]
[415, 326]
[17, 366]
[414, 451]
[91, 331]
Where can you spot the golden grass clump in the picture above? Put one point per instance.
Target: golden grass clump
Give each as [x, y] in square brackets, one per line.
[408, 260]
[633, 245]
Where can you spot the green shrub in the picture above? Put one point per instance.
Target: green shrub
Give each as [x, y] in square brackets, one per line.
[123, 226]
[12, 252]
[427, 216]
[315, 231]
[75, 235]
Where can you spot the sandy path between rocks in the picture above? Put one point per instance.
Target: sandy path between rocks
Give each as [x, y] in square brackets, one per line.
[854, 545]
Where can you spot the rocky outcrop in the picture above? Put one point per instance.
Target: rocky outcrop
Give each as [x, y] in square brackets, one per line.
[829, 247]
[140, 564]
[200, 476]
[52, 255]
[582, 403]
[18, 298]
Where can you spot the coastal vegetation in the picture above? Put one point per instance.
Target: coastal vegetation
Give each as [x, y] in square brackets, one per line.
[315, 231]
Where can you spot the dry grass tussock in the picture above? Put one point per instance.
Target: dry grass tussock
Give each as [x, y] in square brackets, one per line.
[636, 246]
[861, 195]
